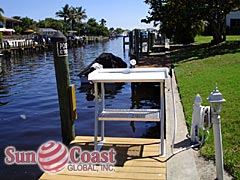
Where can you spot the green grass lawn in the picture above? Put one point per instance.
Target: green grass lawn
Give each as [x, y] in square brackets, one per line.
[198, 69]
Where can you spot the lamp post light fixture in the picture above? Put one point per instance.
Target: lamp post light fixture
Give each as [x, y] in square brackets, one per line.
[216, 102]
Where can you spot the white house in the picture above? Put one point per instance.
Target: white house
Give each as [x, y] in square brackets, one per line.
[8, 25]
[233, 19]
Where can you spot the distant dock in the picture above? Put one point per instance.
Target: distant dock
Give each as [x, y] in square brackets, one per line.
[20, 46]
[27, 45]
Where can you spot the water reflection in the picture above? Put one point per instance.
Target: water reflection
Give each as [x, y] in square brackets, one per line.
[111, 90]
[145, 95]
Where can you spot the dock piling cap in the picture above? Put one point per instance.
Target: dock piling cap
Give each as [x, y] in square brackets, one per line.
[59, 36]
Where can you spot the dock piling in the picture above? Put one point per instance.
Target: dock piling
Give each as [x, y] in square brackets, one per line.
[59, 42]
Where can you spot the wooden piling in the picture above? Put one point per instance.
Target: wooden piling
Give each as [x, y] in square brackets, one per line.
[63, 83]
[130, 43]
[136, 44]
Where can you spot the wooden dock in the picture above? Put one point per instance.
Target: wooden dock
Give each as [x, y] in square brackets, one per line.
[137, 159]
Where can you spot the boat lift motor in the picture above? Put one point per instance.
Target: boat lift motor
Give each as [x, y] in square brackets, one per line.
[201, 120]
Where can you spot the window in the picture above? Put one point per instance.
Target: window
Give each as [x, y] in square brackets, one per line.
[1, 24]
[234, 22]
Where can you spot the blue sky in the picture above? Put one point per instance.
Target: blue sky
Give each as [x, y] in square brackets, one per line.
[126, 14]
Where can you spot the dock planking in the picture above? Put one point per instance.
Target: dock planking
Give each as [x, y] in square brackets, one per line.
[137, 158]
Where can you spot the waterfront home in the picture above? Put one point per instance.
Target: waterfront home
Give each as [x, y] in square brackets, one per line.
[7, 25]
[233, 22]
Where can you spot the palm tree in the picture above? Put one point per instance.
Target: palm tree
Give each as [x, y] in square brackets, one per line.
[80, 14]
[72, 16]
[64, 13]
[1, 12]
[76, 15]
[1, 20]
[103, 22]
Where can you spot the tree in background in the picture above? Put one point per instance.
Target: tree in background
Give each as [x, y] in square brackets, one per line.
[72, 20]
[177, 19]
[17, 27]
[75, 16]
[214, 13]
[183, 19]
[103, 30]
[92, 26]
[103, 22]
[51, 23]
[2, 20]
[28, 23]
[81, 15]
[72, 15]
[64, 14]
[1, 12]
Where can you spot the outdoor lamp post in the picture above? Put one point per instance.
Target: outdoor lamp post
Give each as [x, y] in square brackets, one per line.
[216, 102]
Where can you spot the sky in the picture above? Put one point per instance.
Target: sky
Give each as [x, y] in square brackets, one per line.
[125, 14]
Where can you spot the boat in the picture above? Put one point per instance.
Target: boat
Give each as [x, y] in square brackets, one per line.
[105, 60]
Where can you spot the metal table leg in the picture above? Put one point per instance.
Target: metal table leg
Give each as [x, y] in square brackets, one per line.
[103, 107]
[162, 119]
[96, 116]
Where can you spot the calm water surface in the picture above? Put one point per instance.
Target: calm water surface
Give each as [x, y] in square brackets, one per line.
[29, 111]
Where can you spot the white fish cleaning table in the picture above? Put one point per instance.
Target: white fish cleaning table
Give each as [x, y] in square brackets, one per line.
[117, 75]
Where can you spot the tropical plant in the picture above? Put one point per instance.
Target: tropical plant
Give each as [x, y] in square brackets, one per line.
[80, 14]
[51, 23]
[103, 22]
[92, 26]
[1, 16]
[64, 13]
[18, 27]
[1, 19]
[28, 23]
[214, 12]
[72, 17]
[76, 15]
[183, 19]
[177, 19]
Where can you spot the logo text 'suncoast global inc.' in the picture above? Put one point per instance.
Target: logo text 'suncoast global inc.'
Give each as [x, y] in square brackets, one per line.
[53, 157]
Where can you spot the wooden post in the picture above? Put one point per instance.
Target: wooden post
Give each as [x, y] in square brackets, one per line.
[152, 39]
[124, 44]
[130, 43]
[63, 83]
[141, 43]
[149, 42]
[136, 37]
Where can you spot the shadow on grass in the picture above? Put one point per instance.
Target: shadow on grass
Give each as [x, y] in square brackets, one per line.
[201, 51]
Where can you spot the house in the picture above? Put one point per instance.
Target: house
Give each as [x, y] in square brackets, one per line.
[233, 22]
[7, 25]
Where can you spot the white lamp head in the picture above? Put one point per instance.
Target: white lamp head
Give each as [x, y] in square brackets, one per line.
[216, 101]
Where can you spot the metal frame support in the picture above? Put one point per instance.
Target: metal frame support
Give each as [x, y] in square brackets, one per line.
[103, 106]
[218, 145]
[96, 116]
[162, 119]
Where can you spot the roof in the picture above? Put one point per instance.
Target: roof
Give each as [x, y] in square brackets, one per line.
[47, 29]
[11, 19]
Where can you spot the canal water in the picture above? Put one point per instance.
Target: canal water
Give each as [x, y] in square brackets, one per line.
[29, 111]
